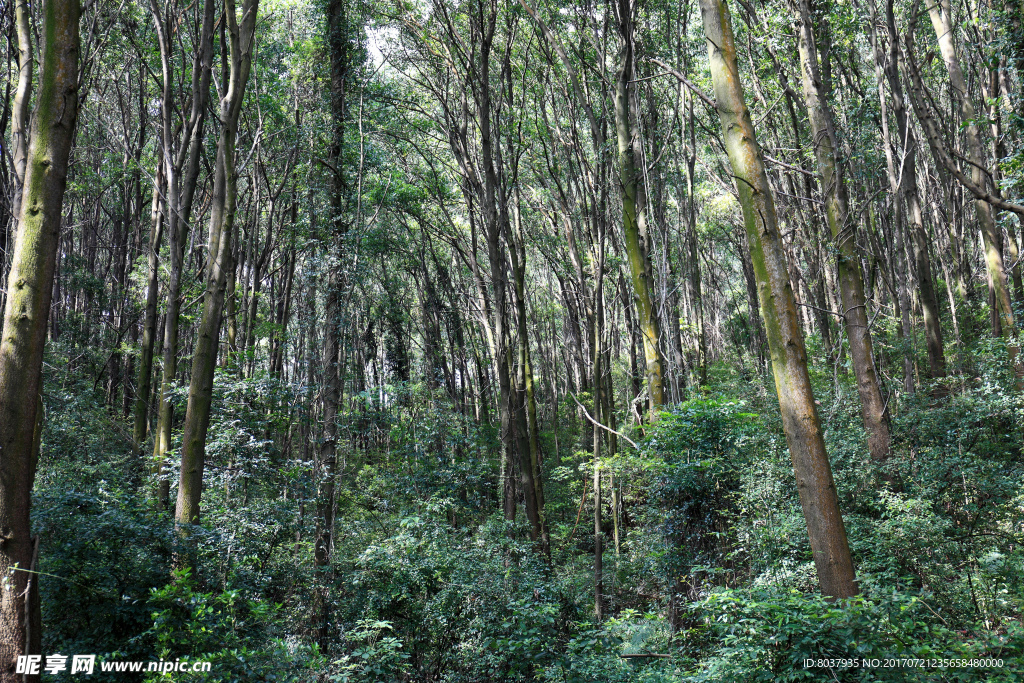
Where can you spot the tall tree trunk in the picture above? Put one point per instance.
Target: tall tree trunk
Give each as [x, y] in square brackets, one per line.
[180, 191]
[750, 282]
[496, 225]
[29, 292]
[145, 377]
[530, 458]
[598, 533]
[844, 231]
[339, 49]
[22, 99]
[327, 460]
[231, 310]
[284, 305]
[908, 184]
[696, 290]
[939, 12]
[632, 186]
[222, 219]
[778, 308]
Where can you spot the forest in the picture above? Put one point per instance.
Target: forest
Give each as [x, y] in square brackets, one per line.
[472, 341]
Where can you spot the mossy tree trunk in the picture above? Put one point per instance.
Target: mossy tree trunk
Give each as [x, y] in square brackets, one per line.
[179, 187]
[222, 217]
[778, 309]
[632, 186]
[29, 292]
[843, 227]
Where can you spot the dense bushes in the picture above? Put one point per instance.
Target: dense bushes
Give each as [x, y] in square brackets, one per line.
[713, 574]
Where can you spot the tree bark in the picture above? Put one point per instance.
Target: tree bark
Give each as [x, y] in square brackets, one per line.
[632, 187]
[222, 219]
[180, 191]
[912, 198]
[778, 309]
[22, 100]
[696, 290]
[29, 292]
[598, 533]
[145, 377]
[327, 461]
[326, 472]
[939, 12]
[530, 457]
[844, 231]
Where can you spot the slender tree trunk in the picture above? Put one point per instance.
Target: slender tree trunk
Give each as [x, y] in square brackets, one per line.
[598, 533]
[696, 290]
[789, 356]
[912, 198]
[178, 210]
[843, 229]
[339, 48]
[530, 460]
[29, 292]
[284, 305]
[22, 99]
[495, 213]
[939, 12]
[222, 219]
[632, 186]
[327, 460]
[231, 309]
[750, 282]
[145, 378]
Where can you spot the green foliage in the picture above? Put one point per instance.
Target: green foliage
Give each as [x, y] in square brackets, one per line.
[101, 545]
[234, 634]
[474, 605]
[697, 452]
[772, 635]
[376, 656]
[593, 654]
[391, 197]
[103, 552]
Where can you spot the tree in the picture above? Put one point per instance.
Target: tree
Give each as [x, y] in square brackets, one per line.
[843, 226]
[778, 310]
[241, 44]
[342, 63]
[906, 182]
[939, 11]
[632, 185]
[181, 166]
[30, 288]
